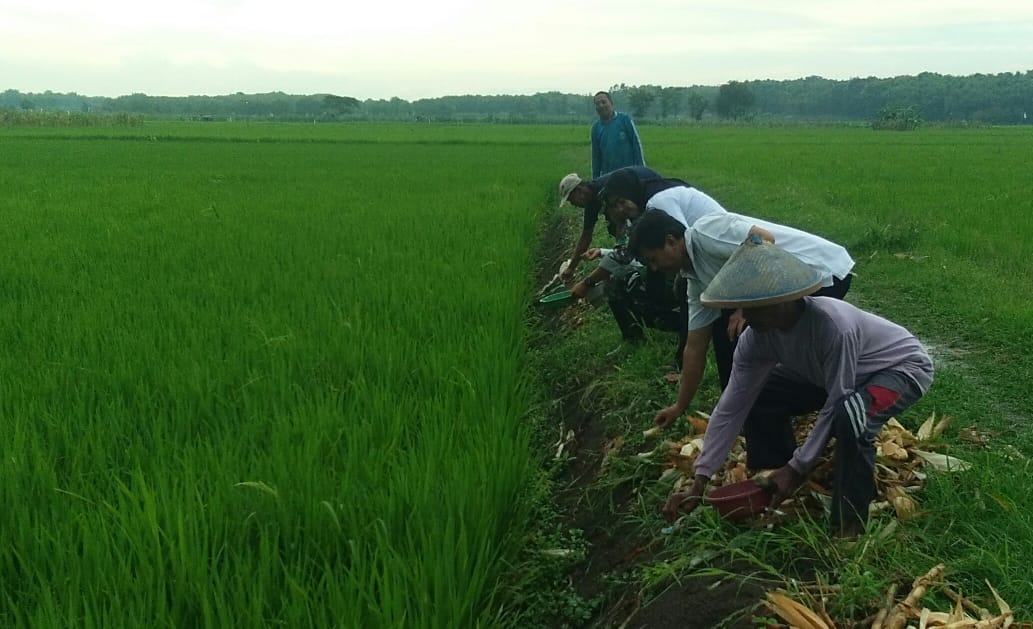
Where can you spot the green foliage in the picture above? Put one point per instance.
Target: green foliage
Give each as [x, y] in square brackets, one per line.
[50, 119]
[734, 100]
[641, 99]
[961, 100]
[340, 104]
[697, 105]
[897, 119]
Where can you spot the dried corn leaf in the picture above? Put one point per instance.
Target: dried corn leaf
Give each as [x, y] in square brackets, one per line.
[697, 424]
[887, 531]
[894, 431]
[1005, 609]
[671, 447]
[942, 462]
[898, 616]
[795, 613]
[966, 624]
[692, 448]
[971, 435]
[904, 505]
[925, 431]
[684, 464]
[893, 425]
[930, 618]
[736, 474]
[923, 618]
[958, 614]
[892, 450]
[886, 471]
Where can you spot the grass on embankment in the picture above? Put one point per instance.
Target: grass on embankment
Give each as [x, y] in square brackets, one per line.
[941, 224]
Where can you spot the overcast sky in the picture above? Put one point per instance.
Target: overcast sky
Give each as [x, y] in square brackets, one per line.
[385, 48]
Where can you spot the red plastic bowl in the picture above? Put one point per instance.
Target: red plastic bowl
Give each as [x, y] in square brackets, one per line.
[739, 501]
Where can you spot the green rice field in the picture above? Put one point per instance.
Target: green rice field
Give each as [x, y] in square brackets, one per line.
[263, 382]
[278, 374]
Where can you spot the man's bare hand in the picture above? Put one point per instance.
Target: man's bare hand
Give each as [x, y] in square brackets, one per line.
[736, 324]
[666, 417]
[592, 254]
[786, 481]
[684, 502]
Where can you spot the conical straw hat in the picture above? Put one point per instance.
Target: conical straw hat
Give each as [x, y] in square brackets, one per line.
[758, 274]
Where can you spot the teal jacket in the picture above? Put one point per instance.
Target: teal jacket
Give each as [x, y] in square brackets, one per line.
[615, 144]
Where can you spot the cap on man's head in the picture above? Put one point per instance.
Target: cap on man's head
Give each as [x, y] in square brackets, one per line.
[760, 273]
[567, 185]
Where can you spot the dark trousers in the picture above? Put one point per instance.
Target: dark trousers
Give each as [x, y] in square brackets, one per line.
[856, 420]
[645, 299]
[724, 348]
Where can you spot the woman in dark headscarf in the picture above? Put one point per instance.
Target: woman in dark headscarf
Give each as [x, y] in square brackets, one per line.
[627, 183]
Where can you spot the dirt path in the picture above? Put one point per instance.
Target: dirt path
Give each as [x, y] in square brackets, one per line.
[617, 547]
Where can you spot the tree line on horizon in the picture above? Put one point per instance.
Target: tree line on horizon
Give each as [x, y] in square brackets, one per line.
[1004, 98]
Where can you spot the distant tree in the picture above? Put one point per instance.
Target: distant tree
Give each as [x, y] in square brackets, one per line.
[641, 99]
[1004, 98]
[697, 105]
[669, 100]
[337, 105]
[734, 100]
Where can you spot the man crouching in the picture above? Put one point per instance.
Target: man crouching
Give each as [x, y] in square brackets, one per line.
[856, 367]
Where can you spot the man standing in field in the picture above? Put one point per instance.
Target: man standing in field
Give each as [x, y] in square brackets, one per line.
[615, 142]
[855, 368]
[699, 252]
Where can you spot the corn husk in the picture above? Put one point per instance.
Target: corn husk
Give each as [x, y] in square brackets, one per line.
[795, 613]
[903, 504]
[900, 463]
[697, 424]
[931, 428]
[892, 450]
[942, 462]
[692, 448]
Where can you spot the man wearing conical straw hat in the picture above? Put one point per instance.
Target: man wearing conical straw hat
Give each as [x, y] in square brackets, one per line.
[857, 369]
[698, 251]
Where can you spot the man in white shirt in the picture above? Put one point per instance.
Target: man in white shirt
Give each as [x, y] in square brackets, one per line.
[698, 253]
